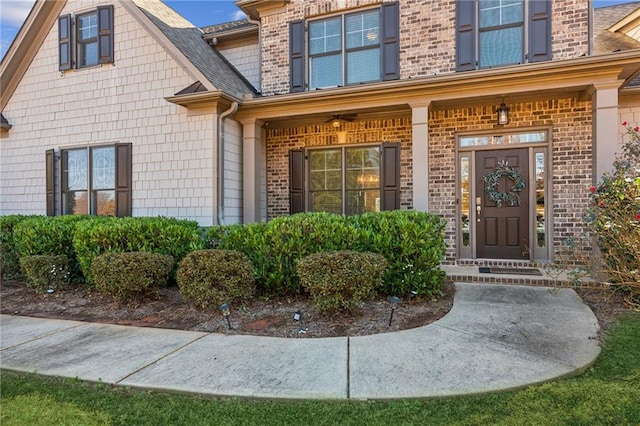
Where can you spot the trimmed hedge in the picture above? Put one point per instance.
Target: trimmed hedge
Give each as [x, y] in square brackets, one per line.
[162, 235]
[212, 277]
[131, 274]
[51, 235]
[412, 242]
[341, 280]
[44, 271]
[9, 257]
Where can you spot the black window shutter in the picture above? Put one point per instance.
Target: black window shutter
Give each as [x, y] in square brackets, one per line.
[539, 30]
[296, 181]
[390, 41]
[64, 42]
[390, 176]
[465, 35]
[105, 34]
[123, 179]
[50, 182]
[296, 53]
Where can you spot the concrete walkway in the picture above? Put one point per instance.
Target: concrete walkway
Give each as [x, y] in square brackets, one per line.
[496, 337]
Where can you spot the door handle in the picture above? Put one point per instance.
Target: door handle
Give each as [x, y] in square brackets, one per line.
[478, 208]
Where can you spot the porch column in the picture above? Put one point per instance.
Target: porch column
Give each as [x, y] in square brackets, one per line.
[420, 154]
[251, 169]
[605, 127]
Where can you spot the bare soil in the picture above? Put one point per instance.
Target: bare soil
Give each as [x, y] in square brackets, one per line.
[264, 317]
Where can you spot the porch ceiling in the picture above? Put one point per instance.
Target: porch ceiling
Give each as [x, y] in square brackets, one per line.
[517, 83]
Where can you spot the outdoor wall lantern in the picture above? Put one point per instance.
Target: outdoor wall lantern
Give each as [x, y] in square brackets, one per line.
[395, 301]
[225, 308]
[503, 114]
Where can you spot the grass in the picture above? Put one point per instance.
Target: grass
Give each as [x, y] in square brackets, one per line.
[607, 394]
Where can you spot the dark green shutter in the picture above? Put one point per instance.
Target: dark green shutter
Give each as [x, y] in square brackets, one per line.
[390, 41]
[123, 179]
[539, 30]
[465, 35]
[296, 56]
[390, 176]
[50, 176]
[64, 42]
[296, 181]
[105, 34]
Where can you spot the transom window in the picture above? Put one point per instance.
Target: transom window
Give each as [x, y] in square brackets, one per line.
[89, 181]
[87, 36]
[345, 50]
[501, 39]
[345, 180]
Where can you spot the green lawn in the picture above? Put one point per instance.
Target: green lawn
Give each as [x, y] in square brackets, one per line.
[607, 394]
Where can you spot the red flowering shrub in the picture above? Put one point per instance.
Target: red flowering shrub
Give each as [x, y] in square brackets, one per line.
[614, 216]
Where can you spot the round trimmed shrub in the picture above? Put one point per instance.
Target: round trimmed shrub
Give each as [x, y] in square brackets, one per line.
[45, 271]
[212, 277]
[132, 274]
[341, 280]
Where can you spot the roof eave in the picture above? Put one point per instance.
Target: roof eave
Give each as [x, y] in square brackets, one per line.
[212, 98]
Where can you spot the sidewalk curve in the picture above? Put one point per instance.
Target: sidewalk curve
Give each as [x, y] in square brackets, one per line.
[496, 337]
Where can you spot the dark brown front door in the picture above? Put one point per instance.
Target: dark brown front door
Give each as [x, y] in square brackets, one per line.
[502, 232]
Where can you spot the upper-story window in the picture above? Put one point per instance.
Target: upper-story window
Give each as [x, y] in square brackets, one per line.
[347, 49]
[86, 39]
[493, 33]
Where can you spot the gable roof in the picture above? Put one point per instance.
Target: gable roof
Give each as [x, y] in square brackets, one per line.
[179, 37]
[188, 39]
[605, 18]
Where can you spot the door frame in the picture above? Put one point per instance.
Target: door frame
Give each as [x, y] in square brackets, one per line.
[536, 149]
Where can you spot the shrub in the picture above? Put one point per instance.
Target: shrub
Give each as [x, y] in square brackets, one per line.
[614, 216]
[9, 257]
[132, 274]
[45, 271]
[341, 279]
[413, 244]
[50, 235]
[162, 235]
[212, 277]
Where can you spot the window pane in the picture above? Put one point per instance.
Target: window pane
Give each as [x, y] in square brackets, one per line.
[326, 71]
[325, 36]
[540, 211]
[363, 201]
[363, 29]
[87, 26]
[495, 13]
[501, 47]
[325, 170]
[363, 65]
[103, 163]
[75, 202]
[326, 201]
[105, 203]
[88, 54]
[363, 168]
[75, 170]
[465, 208]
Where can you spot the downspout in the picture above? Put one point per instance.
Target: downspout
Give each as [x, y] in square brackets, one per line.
[591, 27]
[232, 110]
[257, 23]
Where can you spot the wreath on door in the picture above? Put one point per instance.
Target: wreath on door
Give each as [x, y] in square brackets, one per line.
[491, 185]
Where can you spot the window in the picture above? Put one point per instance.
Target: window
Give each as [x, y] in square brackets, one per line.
[345, 180]
[502, 32]
[92, 41]
[94, 180]
[347, 49]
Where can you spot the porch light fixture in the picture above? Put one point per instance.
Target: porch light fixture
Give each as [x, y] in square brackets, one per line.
[225, 308]
[335, 123]
[503, 114]
[395, 301]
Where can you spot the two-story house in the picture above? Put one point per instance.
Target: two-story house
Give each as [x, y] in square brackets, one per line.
[497, 115]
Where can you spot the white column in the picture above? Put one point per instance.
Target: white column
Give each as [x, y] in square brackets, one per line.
[605, 127]
[251, 169]
[420, 155]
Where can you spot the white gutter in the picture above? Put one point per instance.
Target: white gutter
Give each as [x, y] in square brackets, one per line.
[232, 110]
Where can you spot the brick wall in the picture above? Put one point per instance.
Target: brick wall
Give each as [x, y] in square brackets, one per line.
[571, 163]
[280, 141]
[427, 36]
